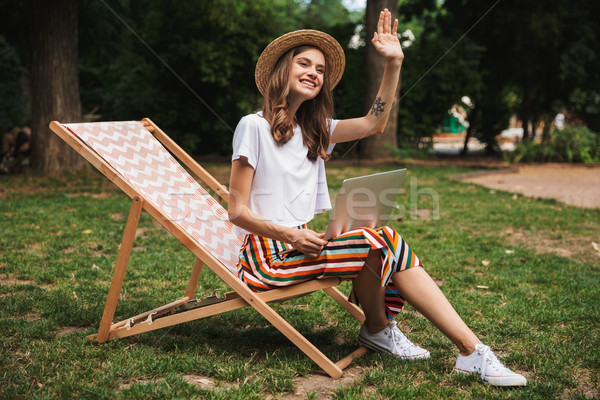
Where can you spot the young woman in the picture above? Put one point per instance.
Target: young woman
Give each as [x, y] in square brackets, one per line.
[278, 184]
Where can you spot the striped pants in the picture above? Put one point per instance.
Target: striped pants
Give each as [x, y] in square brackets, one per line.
[262, 266]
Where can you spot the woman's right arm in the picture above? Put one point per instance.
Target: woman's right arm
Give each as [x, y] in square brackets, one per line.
[240, 183]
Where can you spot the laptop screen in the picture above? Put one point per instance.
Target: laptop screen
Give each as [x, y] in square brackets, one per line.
[365, 202]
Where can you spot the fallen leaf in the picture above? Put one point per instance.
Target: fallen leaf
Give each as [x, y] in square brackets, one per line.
[37, 382]
[485, 262]
[523, 260]
[515, 197]
[87, 232]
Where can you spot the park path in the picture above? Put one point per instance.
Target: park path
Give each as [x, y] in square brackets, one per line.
[577, 185]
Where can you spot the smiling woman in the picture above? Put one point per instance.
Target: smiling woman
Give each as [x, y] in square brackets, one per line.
[278, 184]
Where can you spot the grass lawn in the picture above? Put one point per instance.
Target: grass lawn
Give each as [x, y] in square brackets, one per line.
[522, 272]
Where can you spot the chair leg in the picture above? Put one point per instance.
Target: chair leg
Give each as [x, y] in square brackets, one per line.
[343, 301]
[119, 273]
[299, 340]
[275, 319]
[194, 279]
[344, 362]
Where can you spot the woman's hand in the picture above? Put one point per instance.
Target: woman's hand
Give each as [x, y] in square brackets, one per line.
[387, 44]
[307, 241]
[385, 39]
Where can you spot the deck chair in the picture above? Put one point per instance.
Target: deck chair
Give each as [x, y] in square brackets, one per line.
[139, 158]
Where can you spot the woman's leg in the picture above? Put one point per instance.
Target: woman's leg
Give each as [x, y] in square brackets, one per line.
[370, 293]
[417, 287]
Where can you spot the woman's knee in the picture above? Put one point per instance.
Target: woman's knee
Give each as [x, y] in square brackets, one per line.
[411, 273]
[390, 231]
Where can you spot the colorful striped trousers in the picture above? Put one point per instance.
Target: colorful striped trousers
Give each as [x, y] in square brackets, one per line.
[262, 266]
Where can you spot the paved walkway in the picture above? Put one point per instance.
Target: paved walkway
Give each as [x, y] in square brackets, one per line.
[572, 184]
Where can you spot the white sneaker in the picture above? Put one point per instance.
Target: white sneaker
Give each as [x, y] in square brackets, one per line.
[490, 370]
[391, 340]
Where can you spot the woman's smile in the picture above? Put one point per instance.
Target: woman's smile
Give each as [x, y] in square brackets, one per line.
[308, 82]
[306, 74]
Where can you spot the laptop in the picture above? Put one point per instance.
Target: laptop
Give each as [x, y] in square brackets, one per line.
[365, 201]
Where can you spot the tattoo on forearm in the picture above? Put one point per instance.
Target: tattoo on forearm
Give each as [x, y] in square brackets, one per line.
[377, 107]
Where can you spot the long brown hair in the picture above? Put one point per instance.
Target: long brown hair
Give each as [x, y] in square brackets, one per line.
[312, 116]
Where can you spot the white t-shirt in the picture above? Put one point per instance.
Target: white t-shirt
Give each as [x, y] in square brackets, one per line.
[287, 189]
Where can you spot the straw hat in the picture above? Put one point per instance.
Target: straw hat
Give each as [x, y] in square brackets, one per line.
[278, 47]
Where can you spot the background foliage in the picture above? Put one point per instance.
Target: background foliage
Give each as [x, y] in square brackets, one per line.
[571, 144]
[190, 65]
[530, 58]
[14, 104]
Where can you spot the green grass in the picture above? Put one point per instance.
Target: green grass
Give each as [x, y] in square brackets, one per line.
[540, 311]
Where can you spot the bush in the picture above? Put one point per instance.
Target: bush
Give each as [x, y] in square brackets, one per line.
[14, 104]
[571, 144]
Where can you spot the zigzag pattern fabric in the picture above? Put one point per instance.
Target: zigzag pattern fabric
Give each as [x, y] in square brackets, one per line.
[142, 160]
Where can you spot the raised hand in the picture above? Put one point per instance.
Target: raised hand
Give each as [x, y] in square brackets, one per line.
[385, 39]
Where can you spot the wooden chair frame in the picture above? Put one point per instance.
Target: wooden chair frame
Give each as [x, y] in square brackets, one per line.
[240, 297]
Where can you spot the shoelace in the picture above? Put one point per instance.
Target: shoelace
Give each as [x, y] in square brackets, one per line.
[490, 361]
[400, 341]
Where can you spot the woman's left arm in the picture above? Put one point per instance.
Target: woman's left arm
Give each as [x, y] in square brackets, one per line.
[387, 44]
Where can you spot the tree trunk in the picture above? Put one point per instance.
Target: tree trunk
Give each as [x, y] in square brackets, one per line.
[471, 118]
[54, 82]
[526, 113]
[378, 146]
[546, 131]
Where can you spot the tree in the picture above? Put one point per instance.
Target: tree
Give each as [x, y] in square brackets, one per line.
[15, 108]
[54, 82]
[13, 102]
[438, 71]
[189, 65]
[378, 146]
[538, 52]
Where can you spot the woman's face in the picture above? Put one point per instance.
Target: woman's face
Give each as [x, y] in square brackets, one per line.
[306, 74]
